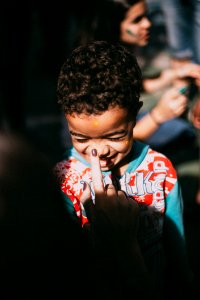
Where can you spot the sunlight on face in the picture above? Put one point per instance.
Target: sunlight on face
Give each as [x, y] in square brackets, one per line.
[95, 123]
[111, 133]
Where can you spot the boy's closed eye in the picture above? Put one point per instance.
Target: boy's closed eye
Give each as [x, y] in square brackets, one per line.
[114, 139]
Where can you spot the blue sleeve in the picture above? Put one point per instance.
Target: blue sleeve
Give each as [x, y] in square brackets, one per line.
[174, 210]
[174, 229]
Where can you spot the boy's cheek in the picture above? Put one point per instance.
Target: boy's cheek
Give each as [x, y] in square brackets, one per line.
[121, 147]
[125, 146]
[79, 148]
[83, 149]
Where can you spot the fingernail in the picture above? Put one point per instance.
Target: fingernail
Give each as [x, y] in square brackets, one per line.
[84, 186]
[94, 152]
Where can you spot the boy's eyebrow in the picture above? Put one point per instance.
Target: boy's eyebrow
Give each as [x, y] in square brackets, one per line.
[122, 131]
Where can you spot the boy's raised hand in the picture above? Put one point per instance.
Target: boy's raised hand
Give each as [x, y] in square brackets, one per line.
[114, 216]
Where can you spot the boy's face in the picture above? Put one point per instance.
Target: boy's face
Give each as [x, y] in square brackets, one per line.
[111, 133]
[135, 26]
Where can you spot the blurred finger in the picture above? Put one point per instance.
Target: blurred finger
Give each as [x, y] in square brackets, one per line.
[123, 194]
[110, 190]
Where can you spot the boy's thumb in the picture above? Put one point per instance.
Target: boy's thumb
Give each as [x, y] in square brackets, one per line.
[86, 200]
[86, 195]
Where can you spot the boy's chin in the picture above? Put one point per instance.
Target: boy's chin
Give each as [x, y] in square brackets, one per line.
[105, 169]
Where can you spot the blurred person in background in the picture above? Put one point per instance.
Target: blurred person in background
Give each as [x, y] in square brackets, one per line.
[127, 22]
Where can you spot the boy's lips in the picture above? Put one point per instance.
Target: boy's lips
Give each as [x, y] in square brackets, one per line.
[105, 162]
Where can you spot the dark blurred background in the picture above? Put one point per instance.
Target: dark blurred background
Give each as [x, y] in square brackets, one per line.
[36, 37]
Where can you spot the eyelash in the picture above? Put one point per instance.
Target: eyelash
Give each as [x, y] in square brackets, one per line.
[81, 140]
[116, 139]
[110, 139]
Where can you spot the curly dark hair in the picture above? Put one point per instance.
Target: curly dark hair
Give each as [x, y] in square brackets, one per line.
[97, 77]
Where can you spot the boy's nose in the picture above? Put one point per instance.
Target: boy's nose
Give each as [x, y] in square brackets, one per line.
[103, 151]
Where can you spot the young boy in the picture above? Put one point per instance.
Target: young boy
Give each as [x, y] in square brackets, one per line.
[99, 90]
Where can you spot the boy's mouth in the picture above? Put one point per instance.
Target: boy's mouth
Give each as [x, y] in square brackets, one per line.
[106, 162]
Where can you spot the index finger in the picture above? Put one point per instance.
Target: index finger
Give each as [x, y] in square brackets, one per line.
[96, 172]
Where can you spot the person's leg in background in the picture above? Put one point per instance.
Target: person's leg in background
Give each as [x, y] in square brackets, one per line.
[177, 18]
[196, 30]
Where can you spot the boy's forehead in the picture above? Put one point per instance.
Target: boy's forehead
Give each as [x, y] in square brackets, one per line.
[115, 111]
[108, 120]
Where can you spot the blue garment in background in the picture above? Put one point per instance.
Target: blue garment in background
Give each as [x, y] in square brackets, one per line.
[170, 131]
